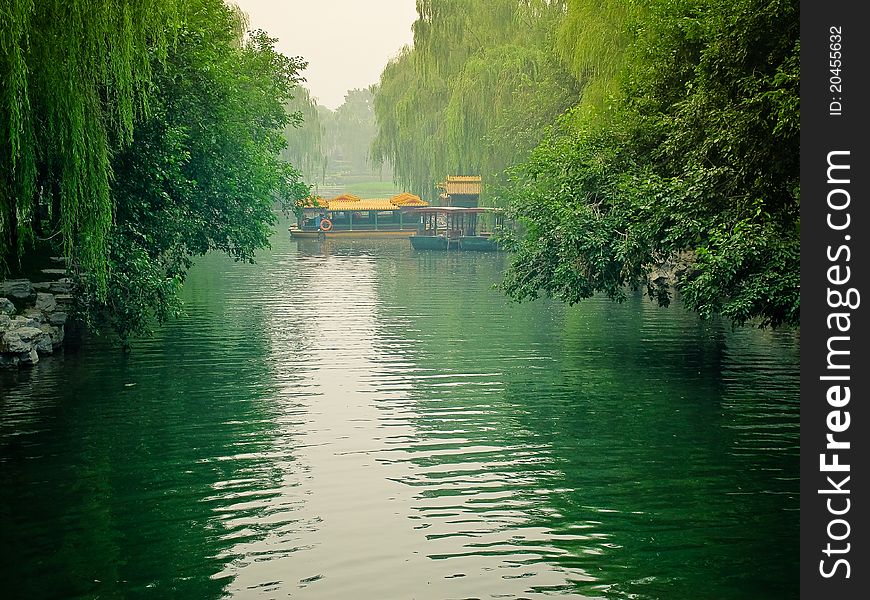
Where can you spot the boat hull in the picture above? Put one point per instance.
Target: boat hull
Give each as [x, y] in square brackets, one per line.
[468, 243]
[428, 242]
[345, 234]
[477, 244]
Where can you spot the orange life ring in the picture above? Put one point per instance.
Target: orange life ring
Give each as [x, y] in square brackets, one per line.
[325, 225]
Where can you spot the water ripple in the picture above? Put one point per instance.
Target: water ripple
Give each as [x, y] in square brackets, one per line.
[362, 421]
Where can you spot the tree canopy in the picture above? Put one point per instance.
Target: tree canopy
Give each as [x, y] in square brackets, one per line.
[693, 159]
[474, 93]
[74, 75]
[304, 135]
[154, 138]
[646, 144]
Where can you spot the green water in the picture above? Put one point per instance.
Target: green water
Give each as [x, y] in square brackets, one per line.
[360, 421]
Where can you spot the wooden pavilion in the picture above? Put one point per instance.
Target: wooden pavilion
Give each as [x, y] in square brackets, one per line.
[460, 190]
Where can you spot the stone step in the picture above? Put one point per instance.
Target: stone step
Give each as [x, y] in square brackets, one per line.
[63, 299]
[61, 286]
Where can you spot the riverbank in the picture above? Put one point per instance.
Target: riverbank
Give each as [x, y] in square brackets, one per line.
[33, 318]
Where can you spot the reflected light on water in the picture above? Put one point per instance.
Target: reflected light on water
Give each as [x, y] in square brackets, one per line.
[358, 420]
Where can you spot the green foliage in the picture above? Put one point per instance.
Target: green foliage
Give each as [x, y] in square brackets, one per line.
[353, 129]
[410, 127]
[576, 207]
[349, 131]
[474, 93]
[333, 145]
[202, 172]
[304, 135]
[694, 159]
[74, 75]
[593, 36]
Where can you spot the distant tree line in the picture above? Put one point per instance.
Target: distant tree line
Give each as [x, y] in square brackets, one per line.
[625, 135]
[334, 142]
[137, 135]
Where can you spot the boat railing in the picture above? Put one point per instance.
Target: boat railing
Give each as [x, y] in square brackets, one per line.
[344, 226]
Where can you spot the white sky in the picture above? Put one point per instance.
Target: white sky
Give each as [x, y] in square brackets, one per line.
[347, 43]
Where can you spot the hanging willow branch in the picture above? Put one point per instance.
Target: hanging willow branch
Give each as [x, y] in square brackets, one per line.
[74, 74]
[475, 92]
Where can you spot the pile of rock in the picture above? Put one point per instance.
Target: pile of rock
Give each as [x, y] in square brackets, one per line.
[32, 318]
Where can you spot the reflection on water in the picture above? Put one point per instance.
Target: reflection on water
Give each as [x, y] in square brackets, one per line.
[358, 420]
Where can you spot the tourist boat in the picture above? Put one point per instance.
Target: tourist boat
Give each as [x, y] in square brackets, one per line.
[456, 228]
[348, 216]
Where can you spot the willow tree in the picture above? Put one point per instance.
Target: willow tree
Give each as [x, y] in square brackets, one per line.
[474, 93]
[304, 135]
[688, 157]
[500, 105]
[408, 106]
[203, 171]
[74, 74]
[592, 40]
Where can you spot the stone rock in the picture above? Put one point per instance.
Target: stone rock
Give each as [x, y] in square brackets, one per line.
[55, 334]
[12, 343]
[660, 275]
[20, 289]
[57, 259]
[28, 359]
[44, 344]
[63, 300]
[29, 334]
[61, 286]
[35, 314]
[9, 360]
[20, 321]
[45, 302]
[40, 328]
[58, 319]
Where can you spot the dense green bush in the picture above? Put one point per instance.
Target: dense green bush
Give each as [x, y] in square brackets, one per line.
[138, 135]
[695, 157]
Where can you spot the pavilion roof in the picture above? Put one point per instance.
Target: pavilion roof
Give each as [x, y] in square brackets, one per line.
[457, 210]
[362, 205]
[461, 185]
[406, 199]
[346, 198]
[357, 204]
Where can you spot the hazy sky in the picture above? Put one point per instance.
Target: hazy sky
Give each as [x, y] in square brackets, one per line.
[347, 43]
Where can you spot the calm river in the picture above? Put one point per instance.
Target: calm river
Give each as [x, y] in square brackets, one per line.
[357, 420]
